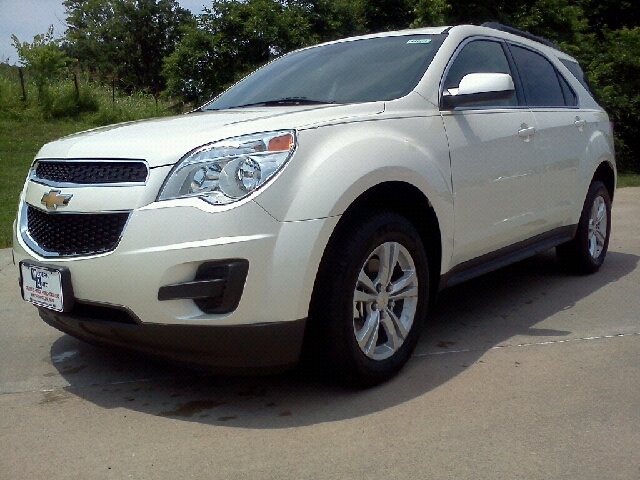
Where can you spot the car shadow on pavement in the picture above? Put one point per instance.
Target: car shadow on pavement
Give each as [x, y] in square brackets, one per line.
[506, 307]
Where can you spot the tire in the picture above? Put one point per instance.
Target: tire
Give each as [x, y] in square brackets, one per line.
[586, 252]
[366, 317]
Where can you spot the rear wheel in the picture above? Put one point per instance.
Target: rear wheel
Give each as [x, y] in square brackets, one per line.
[370, 299]
[586, 252]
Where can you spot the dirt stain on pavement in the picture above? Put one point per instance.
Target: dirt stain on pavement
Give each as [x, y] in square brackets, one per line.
[191, 408]
[253, 392]
[72, 370]
[55, 397]
[225, 419]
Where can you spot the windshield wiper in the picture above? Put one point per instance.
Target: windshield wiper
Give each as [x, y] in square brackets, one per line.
[285, 102]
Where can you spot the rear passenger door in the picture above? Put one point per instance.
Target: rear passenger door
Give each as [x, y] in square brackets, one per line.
[494, 166]
[561, 135]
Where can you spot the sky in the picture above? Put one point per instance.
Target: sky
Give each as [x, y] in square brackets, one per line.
[27, 18]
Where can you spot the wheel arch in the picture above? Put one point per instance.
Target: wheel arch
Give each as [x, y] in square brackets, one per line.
[408, 201]
[396, 197]
[605, 173]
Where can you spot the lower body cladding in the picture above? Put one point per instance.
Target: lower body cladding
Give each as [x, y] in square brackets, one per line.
[183, 285]
[255, 348]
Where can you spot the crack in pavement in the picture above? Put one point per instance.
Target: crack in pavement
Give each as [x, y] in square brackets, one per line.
[528, 344]
[88, 385]
[3, 267]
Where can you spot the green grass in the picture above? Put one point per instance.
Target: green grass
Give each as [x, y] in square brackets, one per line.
[628, 180]
[22, 137]
[56, 111]
[20, 140]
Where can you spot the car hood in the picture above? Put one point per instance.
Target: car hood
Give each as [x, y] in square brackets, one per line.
[164, 140]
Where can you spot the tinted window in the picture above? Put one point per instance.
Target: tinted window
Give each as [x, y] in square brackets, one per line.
[539, 79]
[479, 56]
[570, 98]
[577, 72]
[363, 70]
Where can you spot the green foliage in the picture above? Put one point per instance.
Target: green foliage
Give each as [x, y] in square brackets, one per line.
[44, 58]
[615, 73]
[380, 15]
[26, 125]
[10, 91]
[125, 40]
[429, 13]
[232, 38]
[73, 97]
[333, 19]
[611, 14]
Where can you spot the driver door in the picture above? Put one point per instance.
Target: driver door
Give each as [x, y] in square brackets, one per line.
[494, 165]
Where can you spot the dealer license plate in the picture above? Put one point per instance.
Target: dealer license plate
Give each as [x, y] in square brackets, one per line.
[42, 286]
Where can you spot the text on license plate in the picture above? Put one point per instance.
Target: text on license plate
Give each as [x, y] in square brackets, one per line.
[42, 286]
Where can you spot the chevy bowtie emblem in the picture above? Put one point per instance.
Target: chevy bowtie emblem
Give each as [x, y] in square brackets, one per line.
[53, 199]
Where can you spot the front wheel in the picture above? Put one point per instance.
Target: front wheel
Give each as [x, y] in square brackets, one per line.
[586, 252]
[370, 298]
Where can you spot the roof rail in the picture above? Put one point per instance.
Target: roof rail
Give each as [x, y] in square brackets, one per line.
[520, 33]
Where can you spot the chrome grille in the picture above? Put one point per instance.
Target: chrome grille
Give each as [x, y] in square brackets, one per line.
[75, 233]
[91, 173]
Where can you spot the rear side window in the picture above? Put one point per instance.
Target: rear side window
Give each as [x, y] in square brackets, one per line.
[570, 98]
[540, 81]
[577, 72]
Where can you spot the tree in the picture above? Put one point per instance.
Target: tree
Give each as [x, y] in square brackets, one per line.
[429, 13]
[381, 15]
[44, 57]
[125, 39]
[232, 38]
[611, 15]
[333, 19]
[615, 74]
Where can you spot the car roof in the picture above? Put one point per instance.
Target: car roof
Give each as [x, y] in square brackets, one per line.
[495, 30]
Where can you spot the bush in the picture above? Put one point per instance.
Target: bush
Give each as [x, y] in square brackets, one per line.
[72, 96]
[615, 73]
[62, 99]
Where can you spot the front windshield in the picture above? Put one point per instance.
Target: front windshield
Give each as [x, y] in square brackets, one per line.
[364, 70]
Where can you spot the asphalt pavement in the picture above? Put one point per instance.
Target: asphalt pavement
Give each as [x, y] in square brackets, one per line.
[525, 373]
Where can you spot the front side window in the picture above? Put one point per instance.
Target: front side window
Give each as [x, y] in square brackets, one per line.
[480, 56]
[363, 70]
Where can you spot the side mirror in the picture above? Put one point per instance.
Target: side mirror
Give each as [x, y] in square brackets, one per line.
[477, 88]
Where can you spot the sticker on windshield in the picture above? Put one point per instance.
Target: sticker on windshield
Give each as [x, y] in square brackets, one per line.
[422, 40]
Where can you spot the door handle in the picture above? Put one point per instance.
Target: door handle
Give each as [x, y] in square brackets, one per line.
[580, 123]
[526, 131]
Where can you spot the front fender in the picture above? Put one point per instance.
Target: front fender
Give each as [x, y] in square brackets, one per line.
[335, 164]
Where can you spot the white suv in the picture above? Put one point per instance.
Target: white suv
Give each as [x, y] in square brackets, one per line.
[321, 202]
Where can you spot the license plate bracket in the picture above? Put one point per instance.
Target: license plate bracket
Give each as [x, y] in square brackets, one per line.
[46, 286]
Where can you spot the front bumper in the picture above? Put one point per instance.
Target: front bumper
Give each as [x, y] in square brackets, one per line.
[164, 244]
[255, 348]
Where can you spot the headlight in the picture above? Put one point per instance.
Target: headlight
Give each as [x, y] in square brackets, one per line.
[225, 171]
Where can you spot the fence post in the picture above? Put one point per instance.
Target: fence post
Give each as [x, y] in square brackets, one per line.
[75, 83]
[24, 92]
